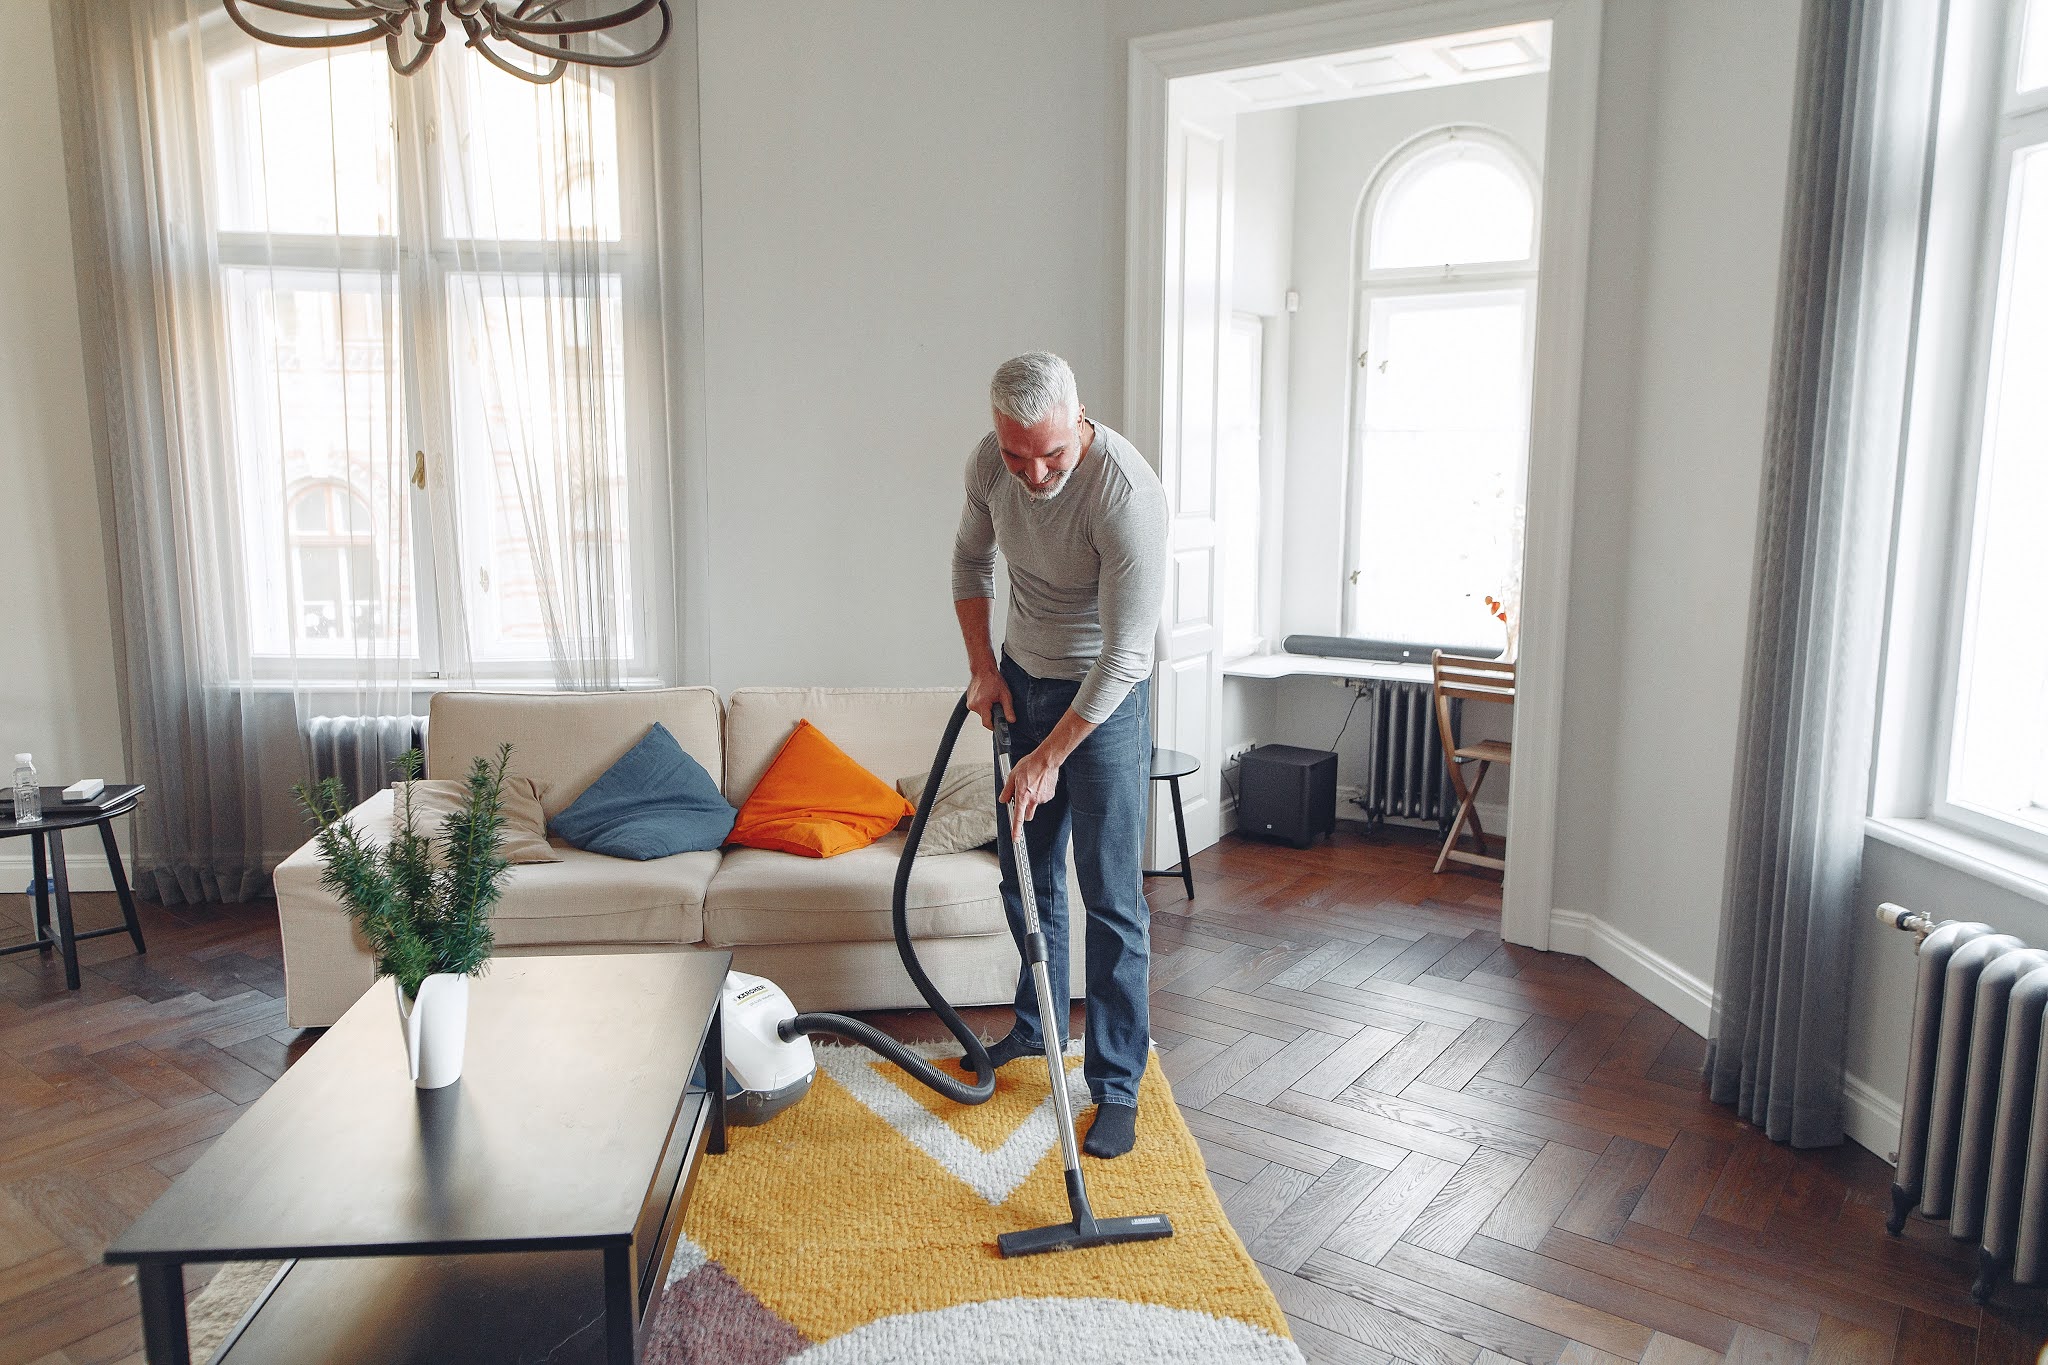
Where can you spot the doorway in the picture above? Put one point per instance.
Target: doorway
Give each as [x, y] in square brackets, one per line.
[1373, 508]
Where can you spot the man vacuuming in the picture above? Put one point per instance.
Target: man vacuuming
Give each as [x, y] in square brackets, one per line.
[1081, 521]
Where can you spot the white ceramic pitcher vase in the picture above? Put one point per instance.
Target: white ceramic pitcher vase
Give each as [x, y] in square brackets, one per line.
[436, 1023]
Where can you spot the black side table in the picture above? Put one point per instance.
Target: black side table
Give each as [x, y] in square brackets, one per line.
[47, 841]
[1170, 766]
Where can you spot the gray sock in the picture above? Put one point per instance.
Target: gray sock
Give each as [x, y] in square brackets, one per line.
[1006, 1050]
[1114, 1132]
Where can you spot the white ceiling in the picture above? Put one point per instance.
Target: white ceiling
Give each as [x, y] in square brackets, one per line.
[1451, 59]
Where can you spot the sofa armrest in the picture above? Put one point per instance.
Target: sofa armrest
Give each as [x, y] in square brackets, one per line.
[327, 967]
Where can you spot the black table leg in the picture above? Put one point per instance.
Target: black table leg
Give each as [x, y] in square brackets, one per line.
[45, 936]
[1180, 829]
[121, 884]
[163, 1312]
[620, 1347]
[67, 941]
[713, 1059]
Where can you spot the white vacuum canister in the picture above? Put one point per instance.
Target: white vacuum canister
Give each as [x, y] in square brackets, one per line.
[763, 1074]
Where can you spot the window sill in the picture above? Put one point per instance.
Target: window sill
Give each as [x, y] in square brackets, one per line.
[2023, 874]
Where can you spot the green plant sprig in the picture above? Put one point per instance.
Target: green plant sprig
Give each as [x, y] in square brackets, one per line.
[418, 917]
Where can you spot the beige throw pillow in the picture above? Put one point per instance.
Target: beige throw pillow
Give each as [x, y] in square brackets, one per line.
[526, 824]
[964, 815]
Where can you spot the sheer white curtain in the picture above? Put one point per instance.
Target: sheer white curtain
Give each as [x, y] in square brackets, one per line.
[384, 396]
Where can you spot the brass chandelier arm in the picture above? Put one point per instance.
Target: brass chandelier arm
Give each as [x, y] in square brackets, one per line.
[379, 26]
[560, 55]
[520, 40]
[530, 18]
[406, 66]
[383, 11]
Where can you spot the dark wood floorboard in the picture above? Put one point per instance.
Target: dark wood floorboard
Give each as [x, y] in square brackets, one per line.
[1437, 1146]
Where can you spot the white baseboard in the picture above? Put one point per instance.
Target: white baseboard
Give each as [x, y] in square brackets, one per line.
[1642, 969]
[1870, 1117]
[86, 867]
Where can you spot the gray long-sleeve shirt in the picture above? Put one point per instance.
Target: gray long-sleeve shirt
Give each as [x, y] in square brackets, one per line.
[1087, 566]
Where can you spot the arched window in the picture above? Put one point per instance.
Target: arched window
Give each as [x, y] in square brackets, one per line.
[1446, 241]
[334, 564]
[1459, 198]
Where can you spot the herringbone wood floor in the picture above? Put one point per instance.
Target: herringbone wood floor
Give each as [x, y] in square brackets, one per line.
[1439, 1149]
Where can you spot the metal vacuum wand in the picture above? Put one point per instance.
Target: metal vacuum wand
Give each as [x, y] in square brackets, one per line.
[1086, 1230]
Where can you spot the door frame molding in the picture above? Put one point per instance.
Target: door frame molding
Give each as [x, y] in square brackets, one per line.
[1155, 60]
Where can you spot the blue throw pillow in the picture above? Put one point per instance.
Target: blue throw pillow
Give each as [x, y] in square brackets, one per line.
[655, 801]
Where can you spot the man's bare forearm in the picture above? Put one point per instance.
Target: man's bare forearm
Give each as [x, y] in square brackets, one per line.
[974, 614]
[1066, 737]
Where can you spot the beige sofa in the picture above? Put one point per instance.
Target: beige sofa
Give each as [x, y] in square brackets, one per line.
[820, 928]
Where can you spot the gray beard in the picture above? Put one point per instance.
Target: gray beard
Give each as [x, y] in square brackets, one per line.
[1049, 494]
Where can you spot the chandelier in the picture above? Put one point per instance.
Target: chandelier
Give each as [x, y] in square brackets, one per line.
[410, 29]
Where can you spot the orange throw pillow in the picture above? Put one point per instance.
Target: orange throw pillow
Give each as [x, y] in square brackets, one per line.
[815, 801]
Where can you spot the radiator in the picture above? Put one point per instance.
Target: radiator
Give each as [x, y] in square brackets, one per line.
[1973, 1137]
[361, 750]
[1405, 775]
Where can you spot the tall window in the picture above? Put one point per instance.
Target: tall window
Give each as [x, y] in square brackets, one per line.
[1441, 434]
[433, 289]
[1994, 773]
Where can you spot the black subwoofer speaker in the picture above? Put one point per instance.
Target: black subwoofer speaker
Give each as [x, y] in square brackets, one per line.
[1284, 792]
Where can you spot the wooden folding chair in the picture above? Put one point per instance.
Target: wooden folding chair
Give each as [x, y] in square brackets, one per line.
[1468, 679]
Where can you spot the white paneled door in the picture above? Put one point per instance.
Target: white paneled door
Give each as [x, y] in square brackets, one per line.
[1188, 701]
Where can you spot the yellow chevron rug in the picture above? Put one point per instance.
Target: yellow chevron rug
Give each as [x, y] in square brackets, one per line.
[859, 1228]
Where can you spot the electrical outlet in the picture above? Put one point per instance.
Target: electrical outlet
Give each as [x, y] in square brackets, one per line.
[1236, 752]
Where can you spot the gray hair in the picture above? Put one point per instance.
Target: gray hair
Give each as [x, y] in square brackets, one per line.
[1030, 387]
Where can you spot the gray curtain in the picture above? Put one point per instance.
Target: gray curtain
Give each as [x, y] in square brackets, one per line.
[156, 411]
[1854, 229]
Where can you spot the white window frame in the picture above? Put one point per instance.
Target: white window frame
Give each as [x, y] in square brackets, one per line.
[422, 300]
[1982, 123]
[1370, 284]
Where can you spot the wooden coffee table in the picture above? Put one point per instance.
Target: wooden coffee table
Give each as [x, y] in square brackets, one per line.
[529, 1211]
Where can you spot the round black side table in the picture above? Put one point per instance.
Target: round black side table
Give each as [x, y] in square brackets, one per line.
[47, 842]
[1170, 766]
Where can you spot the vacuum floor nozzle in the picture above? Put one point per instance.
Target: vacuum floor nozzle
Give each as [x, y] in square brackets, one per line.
[1096, 1232]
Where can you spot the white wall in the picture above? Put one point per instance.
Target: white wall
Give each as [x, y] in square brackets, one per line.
[1262, 208]
[896, 198]
[58, 695]
[1694, 133]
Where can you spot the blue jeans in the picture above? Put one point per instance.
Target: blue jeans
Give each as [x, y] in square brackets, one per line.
[1100, 804]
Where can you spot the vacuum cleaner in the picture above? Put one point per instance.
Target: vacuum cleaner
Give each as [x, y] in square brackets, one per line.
[769, 1063]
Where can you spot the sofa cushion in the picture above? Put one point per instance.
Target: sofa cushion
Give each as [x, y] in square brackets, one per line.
[654, 802]
[589, 898]
[522, 839]
[963, 813]
[816, 802]
[564, 740]
[586, 898]
[887, 730]
[761, 896]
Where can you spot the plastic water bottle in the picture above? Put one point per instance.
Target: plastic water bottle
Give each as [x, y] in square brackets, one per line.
[28, 797]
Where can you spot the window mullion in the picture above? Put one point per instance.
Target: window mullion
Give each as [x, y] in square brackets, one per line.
[419, 293]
